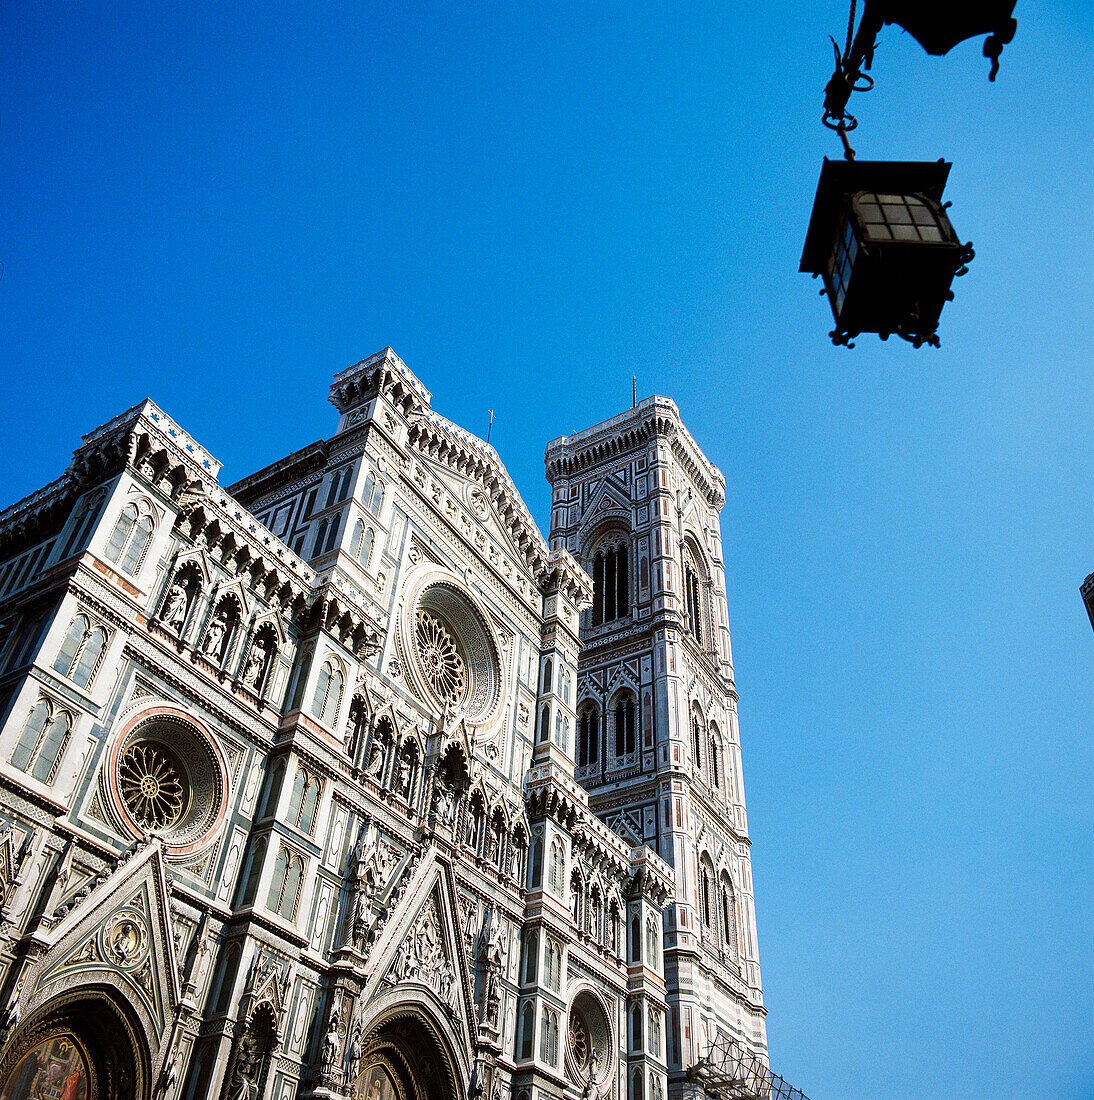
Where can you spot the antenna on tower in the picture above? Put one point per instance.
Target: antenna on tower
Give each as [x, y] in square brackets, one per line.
[634, 391]
[490, 426]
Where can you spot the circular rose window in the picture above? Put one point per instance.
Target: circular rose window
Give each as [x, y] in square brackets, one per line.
[166, 779]
[453, 651]
[589, 1041]
[153, 788]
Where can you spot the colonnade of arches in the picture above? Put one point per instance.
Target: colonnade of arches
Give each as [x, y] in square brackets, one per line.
[609, 737]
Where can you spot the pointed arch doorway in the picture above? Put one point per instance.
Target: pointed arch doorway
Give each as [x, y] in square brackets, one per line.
[83, 1045]
[406, 1057]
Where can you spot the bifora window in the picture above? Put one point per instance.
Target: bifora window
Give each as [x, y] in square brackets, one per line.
[611, 589]
[130, 537]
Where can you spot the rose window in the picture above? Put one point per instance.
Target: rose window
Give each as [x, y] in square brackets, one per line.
[152, 785]
[440, 659]
[579, 1041]
[589, 1053]
[166, 777]
[453, 656]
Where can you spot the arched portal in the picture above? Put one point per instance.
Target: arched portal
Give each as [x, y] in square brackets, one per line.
[83, 1045]
[406, 1057]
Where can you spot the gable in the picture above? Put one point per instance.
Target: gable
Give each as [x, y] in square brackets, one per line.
[421, 948]
[119, 934]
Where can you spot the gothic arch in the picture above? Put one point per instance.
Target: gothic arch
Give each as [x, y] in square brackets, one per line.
[93, 1032]
[695, 606]
[608, 559]
[419, 1049]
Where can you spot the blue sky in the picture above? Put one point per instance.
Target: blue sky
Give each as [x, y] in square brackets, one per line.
[220, 206]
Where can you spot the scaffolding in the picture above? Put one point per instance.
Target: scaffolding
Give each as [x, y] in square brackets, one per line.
[730, 1072]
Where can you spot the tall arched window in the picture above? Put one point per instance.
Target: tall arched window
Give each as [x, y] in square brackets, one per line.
[548, 1051]
[548, 679]
[80, 651]
[611, 584]
[556, 869]
[227, 979]
[693, 594]
[82, 520]
[697, 743]
[729, 917]
[43, 740]
[273, 790]
[258, 854]
[527, 1031]
[596, 915]
[328, 693]
[705, 877]
[588, 737]
[129, 540]
[624, 725]
[285, 887]
[364, 555]
[636, 939]
[304, 801]
[531, 957]
[320, 538]
[537, 863]
[715, 755]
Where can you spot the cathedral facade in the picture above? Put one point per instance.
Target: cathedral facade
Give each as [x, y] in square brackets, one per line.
[343, 782]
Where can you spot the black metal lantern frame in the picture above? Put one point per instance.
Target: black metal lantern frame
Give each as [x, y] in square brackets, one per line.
[881, 239]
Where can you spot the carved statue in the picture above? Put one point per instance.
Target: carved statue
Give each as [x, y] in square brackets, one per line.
[244, 1083]
[256, 663]
[404, 776]
[355, 1049]
[175, 607]
[332, 1045]
[492, 956]
[375, 767]
[213, 645]
[362, 910]
[443, 803]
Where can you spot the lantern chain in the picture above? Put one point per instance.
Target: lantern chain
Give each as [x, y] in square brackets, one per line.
[848, 76]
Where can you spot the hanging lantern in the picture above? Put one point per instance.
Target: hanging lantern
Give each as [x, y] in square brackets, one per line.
[880, 238]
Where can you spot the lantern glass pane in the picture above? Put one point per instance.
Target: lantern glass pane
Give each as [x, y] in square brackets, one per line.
[905, 233]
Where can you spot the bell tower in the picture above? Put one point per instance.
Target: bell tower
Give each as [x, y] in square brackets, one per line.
[636, 501]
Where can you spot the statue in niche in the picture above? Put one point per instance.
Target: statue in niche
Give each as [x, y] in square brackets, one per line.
[355, 1049]
[256, 663]
[175, 607]
[375, 767]
[443, 803]
[215, 636]
[244, 1083]
[362, 909]
[405, 767]
[492, 956]
[332, 1045]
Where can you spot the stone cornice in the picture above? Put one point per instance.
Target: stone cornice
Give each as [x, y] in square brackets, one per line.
[632, 431]
[383, 373]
